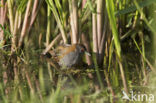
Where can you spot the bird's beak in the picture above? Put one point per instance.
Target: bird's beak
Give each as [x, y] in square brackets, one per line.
[87, 53]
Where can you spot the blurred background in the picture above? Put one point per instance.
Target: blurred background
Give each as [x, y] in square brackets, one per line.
[120, 35]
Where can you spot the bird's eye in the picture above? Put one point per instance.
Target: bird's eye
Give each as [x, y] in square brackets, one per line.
[82, 49]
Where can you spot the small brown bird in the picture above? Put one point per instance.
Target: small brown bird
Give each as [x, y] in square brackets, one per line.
[69, 55]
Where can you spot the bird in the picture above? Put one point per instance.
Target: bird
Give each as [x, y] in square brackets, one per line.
[69, 55]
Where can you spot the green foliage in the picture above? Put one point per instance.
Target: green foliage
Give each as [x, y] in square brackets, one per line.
[7, 34]
[21, 5]
[58, 18]
[37, 80]
[110, 10]
[133, 8]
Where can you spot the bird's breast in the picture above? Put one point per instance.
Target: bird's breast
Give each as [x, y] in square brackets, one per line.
[70, 59]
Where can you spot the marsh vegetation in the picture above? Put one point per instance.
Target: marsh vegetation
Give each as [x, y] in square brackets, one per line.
[120, 35]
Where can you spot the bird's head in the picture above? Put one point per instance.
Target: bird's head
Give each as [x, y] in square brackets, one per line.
[82, 49]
